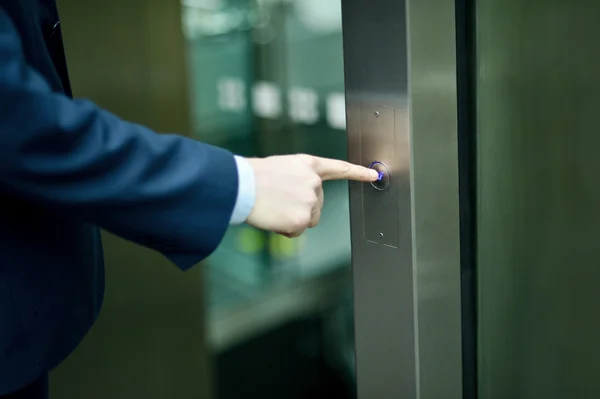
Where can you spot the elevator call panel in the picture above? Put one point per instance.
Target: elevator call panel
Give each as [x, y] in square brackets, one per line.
[379, 198]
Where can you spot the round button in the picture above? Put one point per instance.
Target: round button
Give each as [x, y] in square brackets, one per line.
[384, 175]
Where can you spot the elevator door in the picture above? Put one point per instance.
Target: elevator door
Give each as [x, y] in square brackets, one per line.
[538, 96]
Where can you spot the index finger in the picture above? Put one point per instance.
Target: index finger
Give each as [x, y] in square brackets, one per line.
[334, 169]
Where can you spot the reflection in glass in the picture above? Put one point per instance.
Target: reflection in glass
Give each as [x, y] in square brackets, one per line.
[267, 79]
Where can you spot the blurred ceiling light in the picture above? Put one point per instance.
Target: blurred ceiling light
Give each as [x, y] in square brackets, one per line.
[322, 16]
[203, 4]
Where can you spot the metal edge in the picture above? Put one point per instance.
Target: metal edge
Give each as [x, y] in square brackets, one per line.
[435, 198]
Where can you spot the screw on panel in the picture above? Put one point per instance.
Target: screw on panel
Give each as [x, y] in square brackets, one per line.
[380, 235]
[376, 114]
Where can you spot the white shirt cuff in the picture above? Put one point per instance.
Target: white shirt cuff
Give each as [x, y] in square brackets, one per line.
[246, 195]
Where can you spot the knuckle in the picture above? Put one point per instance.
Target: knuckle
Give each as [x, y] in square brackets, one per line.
[344, 167]
[307, 160]
[296, 224]
[291, 228]
[315, 182]
[315, 200]
[315, 220]
[312, 200]
[303, 220]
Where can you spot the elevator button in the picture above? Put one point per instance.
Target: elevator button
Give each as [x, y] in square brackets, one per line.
[383, 181]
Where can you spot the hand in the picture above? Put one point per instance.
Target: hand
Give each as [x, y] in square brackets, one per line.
[289, 190]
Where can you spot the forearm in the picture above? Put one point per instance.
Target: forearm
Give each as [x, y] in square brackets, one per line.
[166, 191]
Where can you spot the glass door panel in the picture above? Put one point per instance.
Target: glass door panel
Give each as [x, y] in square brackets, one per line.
[268, 79]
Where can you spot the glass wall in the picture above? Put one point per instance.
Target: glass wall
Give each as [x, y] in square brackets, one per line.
[267, 78]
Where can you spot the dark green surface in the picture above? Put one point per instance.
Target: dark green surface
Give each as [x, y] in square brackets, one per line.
[538, 100]
[285, 363]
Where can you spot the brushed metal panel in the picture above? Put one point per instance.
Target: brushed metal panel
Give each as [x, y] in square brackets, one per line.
[407, 299]
[436, 215]
[538, 101]
[377, 143]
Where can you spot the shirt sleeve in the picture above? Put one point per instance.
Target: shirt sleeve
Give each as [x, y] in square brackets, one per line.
[246, 194]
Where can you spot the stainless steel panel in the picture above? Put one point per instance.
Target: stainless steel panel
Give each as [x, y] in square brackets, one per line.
[378, 143]
[435, 196]
[538, 100]
[129, 56]
[407, 299]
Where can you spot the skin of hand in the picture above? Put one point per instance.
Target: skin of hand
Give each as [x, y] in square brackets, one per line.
[289, 190]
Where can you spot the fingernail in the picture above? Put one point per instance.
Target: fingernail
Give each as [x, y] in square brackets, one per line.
[374, 174]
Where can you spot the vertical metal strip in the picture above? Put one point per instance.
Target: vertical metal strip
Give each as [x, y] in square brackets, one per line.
[466, 72]
[407, 299]
[436, 201]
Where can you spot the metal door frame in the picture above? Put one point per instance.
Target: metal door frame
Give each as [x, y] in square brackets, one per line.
[401, 67]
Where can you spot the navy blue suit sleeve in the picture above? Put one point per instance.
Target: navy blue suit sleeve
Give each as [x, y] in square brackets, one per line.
[168, 192]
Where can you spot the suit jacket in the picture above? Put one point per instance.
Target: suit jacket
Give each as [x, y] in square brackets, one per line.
[68, 167]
